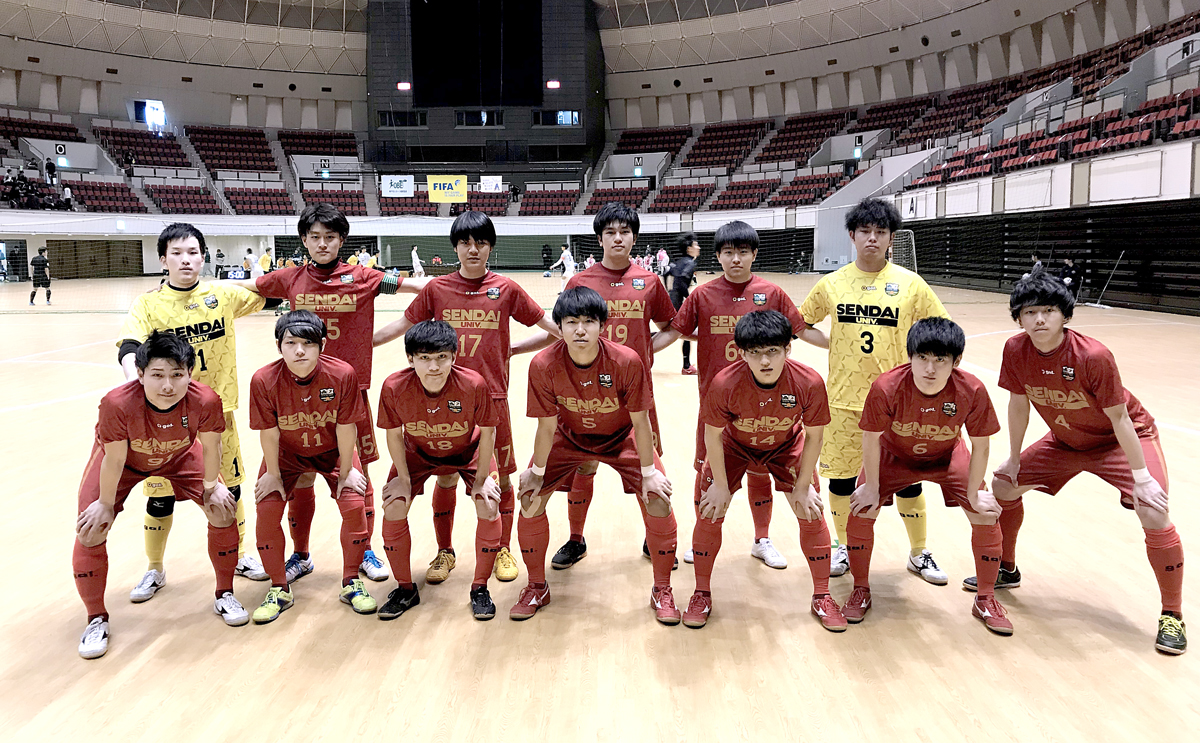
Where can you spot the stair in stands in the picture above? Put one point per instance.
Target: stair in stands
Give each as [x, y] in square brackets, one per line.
[289, 178]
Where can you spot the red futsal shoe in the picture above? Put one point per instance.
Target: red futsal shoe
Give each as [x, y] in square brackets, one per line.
[857, 605]
[989, 611]
[699, 608]
[830, 614]
[690, 371]
[663, 602]
[532, 599]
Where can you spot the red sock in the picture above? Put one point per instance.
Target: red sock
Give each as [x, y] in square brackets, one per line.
[223, 551]
[397, 544]
[578, 502]
[90, 565]
[487, 544]
[661, 538]
[706, 543]
[860, 540]
[987, 546]
[369, 510]
[1010, 523]
[1166, 557]
[268, 531]
[758, 489]
[508, 504]
[353, 534]
[301, 508]
[814, 542]
[443, 516]
[534, 535]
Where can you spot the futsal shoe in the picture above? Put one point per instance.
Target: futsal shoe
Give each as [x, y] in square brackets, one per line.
[482, 606]
[373, 568]
[1006, 579]
[699, 609]
[231, 610]
[689, 557]
[440, 567]
[149, 585]
[505, 567]
[646, 554]
[765, 551]
[357, 597]
[297, 567]
[857, 605]
[400, 600]
[663, 602]
[826, 609]
[989, 611]
[924, 566]
[570, 553]
[248, 566]
[94, 642]
[531, 599]
[1172, 636]
[277, 602]
[840, 564]
[689, 371]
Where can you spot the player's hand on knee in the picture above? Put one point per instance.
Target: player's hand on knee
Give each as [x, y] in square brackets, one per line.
[355, 480]
[267, 485]
[486, 489]
[985, 504]
[656, 483]
[714, 502]
[864, 501]
[529, 484]
[219, 505]
[806, 502]
[395, 492]
[93, 524]
[1009, 468]
[1147, 492]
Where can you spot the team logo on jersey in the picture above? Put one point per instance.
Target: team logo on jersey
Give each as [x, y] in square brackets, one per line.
[347, 278]
[891, 289]
[870, 288]
[493, 292]
[760, 299]
[185, 421]
[1069, 373]
[787, 401]
[211, 301]
[326, 394]
[455, 406]
[639, 284]
[950, 409]
[606, 380]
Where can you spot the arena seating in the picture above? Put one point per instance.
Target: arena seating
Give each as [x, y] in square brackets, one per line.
[325, 144]
[965, 110]
[394, 206]
[684, 198]
[183, 199]
[809, 189]
[801, 136]
[670, 139]
[897, 116]
[149, 149]
[744, 194]
[223, 148]
[11, 129]
[725, 145]
[106, 197]
[629, 196]
[548, 203]
[491, 204]
[259, 201]
[1185, 129]
[351, 203]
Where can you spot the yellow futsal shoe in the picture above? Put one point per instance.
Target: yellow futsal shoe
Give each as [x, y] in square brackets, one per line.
[506, 565]
[276, 602]
[440, 566]
[356, 595]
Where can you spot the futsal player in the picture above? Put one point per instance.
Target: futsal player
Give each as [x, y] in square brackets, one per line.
[764, 411]
[872, 303]
[441, 420]
[680, 276]
[163, 424]
[306, 407]
[592, 399]
[912, 424]
[204, 315]
[39, 271]
[480, 305]
[1096, 426]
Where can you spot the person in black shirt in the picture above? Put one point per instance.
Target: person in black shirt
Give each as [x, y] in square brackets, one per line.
[1069, 275]
[682, 275]
[547, 257]
[51, 171]
[40, 267]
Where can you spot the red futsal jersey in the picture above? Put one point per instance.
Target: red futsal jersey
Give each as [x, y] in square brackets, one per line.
[442, 425]
[1070, 387]
[635, 297]
[157, 438]
[924, 429]
[762, 418]
[342, 296]
[593, 403]
[711, 312]
[308, 411]
[479, 310]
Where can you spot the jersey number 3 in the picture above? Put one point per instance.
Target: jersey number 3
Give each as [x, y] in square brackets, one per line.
[868, 340]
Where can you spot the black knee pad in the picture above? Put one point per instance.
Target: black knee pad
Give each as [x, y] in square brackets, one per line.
[236, 492]
[912, 491]
[842, 485]
[160, 508]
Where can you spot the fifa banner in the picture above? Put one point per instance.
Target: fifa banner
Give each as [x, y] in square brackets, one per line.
[491, 183]
[398, 186]
[447, 189]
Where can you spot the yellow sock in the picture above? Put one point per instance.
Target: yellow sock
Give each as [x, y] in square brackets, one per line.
[240, 515]
[913, 511]
[156, 532]
[839, 509]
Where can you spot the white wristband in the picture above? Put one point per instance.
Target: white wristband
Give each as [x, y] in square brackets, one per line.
[539, 471]
[649, 470]
[1143, 476]
[209, 485]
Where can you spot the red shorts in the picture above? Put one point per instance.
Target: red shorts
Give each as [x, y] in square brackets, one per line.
[1048, 465]
[421, 468]
[779, 462]
[655, 435]
[505, 460]
[186, 475]
[368, 447]
[292, 466]
[565, 458]
[896, 474]
[702, 451]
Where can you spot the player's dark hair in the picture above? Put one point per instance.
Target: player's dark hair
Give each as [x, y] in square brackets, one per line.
[580, 302]
[302, 324]
[430, 336]
[179, 231]
[734, 235]
[873, 213]
[684, 241]
[937, 336]
[617, 212]
[1039, 289]
[475, 225]
[165, 346]
[326, 214]
[41, 251]
[762, 328]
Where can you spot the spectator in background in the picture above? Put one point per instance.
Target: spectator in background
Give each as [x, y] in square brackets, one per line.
[264, 262]
[67, 198]
[364, 257]
[547, 256]
[1069, 275]
[220, 264]
[51, 172]
[591, 261]
[1037, 263]
[437, 261]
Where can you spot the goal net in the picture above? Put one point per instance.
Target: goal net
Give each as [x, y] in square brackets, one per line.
[904, 250]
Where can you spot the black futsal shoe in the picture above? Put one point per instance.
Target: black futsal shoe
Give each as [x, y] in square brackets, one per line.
[399, 601]
[570, 553]
[1006, 579]
[481, 604]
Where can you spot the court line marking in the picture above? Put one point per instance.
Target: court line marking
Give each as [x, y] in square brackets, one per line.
[56, 350]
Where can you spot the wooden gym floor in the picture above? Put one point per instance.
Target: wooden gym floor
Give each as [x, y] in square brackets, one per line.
[594, 665]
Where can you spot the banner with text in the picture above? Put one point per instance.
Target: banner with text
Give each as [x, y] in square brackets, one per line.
[447, 189]
[398, 186]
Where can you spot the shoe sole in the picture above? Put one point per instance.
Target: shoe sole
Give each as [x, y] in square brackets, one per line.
[144, 599]
[387, 617]
[857, 620]
[917, 573]
[1169, 650]
[435, 579]
[282, 609]
[368, 576]
[565, 565]
[357, 610]
[668, 621]
[247, 576]
[484, 617]
[764, 562]
[506, 578]
[694, 624]
[225, 617]
[302, 574]
[999, 586]
[93, 655]
[1002, 631]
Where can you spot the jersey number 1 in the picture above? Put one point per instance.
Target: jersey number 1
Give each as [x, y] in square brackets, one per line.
[203, 363]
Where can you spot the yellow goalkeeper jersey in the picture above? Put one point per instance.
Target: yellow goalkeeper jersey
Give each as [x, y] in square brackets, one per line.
[871, 315]
[204, 317]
